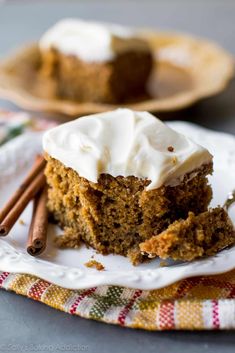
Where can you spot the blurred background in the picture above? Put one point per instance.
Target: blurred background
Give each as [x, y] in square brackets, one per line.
[24, 21]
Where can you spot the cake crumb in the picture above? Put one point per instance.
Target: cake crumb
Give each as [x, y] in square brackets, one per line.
[174, 160]
[170, 148]
[163, 264]
[22, 222]
[95, 264]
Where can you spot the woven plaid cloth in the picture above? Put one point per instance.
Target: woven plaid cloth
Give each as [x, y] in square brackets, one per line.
[192, 304]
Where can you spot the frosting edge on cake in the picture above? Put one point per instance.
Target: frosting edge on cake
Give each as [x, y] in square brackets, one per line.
[127, 143]
[90, 41]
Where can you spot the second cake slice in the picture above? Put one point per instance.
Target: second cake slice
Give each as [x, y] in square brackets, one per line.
[93, 62]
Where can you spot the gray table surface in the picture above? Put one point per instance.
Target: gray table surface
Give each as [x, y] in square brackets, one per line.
[31, 326]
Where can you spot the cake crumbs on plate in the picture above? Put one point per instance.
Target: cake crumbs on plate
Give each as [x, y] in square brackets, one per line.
[95, 264]
[163, 264]
[174, 160]
[22, 222]
[170, 148]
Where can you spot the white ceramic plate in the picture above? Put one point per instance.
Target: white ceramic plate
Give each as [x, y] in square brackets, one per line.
[66, 267]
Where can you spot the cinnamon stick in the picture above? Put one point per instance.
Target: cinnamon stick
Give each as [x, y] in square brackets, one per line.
[28, 194]
[37, 167]
[38, 228]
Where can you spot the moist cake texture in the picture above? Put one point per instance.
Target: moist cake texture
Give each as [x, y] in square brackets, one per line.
[196, 236]
[116, 179]
[117, 213]
[92, 62]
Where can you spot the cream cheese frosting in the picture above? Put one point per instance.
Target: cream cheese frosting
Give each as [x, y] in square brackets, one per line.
[125, 142]
[90, 41]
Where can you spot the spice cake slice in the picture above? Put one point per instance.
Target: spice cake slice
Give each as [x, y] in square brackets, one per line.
[194, 237]
[93, 62]
[117, 178]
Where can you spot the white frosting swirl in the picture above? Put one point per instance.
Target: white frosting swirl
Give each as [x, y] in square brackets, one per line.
[90, 41]
[125, 142]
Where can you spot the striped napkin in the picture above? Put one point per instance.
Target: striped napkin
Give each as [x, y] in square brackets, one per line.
[201, 303]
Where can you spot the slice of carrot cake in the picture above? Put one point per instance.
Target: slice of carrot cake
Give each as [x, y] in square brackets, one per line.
[117, 178]
[94, 62]
[196, 236]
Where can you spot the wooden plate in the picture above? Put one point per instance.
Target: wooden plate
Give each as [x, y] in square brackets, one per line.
[187, 70]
